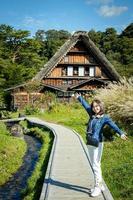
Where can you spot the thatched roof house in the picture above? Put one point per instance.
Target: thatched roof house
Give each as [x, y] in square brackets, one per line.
[64, 50]
[77, 66]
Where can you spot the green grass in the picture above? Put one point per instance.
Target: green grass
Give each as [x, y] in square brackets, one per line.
[117, 158]
[71, 115]
[117, 168]
[12, 150]
[35, 182]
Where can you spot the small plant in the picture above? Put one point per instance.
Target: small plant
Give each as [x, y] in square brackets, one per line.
[30, 110]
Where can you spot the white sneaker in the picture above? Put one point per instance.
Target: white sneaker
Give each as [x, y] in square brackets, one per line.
[96, 191]
[102, 188]
[91, 190]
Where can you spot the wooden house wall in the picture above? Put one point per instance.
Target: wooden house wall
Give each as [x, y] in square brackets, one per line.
[75, 58]
[98, 72]
[88, 87]
[53, 82]
[61, 82]
[56, 72]
[21, 99]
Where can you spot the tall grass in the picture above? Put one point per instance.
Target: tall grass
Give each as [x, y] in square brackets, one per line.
[117, 170]
[118, 99]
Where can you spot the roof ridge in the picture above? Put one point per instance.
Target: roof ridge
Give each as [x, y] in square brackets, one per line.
[78, 33]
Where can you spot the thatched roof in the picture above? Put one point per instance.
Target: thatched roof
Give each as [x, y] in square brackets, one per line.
[61, 89]
[40, 89]
[15, 87]
[65, 48]
[102, 82]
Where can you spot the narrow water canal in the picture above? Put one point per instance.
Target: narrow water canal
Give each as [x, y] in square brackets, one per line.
[11, 190]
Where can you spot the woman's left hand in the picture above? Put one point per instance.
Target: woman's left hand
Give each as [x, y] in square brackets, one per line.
[123, 137]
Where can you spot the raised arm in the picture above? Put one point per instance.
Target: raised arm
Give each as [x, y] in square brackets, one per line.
[109, 122]
[84, 104]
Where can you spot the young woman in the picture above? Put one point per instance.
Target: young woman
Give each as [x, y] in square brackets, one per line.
[95, 125]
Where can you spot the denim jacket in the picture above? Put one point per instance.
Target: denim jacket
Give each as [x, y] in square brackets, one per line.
[95, 124]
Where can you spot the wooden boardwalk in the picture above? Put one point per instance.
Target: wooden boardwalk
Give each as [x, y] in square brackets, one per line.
[69, 174]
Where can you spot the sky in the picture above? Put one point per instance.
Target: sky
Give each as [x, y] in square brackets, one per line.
[70, 15]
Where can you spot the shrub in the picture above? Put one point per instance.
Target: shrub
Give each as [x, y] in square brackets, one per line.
[30, 110]
[48, 100]
[3, 129]
[118, 100]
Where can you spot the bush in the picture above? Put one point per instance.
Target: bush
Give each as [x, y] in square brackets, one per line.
[118, 100]
[30, 110]
[3, 129]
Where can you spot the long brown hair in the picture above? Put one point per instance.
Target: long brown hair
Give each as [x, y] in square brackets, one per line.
[101, 104]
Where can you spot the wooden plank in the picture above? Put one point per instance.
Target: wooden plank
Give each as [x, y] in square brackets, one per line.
[56, 72]
[97, 71]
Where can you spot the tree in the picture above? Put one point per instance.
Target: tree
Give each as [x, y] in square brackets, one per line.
[128, 31]
[95, 37]
[13, 40]
[126, 50]
[40, 35]
[54, 40]
[20, 56]
[109, 40]
[57, 35]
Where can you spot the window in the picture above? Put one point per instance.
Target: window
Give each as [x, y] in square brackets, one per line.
[91, 71]
[81, 71]
[70, 71]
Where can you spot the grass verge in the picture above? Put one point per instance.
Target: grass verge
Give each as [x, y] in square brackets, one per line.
[34, 185]
[12, 150]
